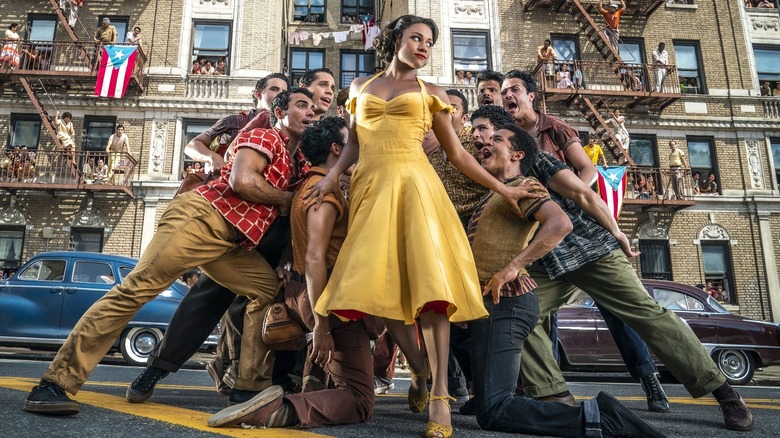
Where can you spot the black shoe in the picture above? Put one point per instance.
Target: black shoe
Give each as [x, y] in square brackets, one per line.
[143, 386]
[240, 396]
[618, 421]
[656, 397]
[736, 414]
[49, 398]
[468, 408]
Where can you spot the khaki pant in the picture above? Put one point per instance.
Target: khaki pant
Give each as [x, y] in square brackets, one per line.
[190, 233]
[613, 283]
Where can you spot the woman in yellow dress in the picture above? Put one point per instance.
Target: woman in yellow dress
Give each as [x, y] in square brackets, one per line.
[406, 255]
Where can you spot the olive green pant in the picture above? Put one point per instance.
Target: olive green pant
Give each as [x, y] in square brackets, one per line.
[613, 283]
[190, 233]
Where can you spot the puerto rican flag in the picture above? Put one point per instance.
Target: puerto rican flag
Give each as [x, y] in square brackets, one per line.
[612, 187]
[116, 67]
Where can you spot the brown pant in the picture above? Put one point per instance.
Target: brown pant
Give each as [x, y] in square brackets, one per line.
[352, 400]
[385, 355]
[190, 233]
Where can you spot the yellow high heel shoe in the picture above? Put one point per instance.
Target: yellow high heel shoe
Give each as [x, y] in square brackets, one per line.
[434, 429]
[418, 402]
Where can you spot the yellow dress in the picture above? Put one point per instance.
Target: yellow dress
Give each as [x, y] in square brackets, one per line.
[405, 245]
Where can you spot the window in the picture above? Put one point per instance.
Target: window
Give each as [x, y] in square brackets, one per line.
[768, 66]
[120, 23]
[756, 4]
[701, 157]
[191, 129]
[674, 300]
[44, 270]
[25, 130]
[97, 130]
[11, 244]
[356, 8]
[632, 52]
[470, 51]
[355, 64]
[87, 239]
[654, 259]
[310, 11]
[775, 143]
[303, 60]
[646, 183]
[643, 150]
[93, 272]
[689, 63]
[212, 43]
[716, 256]
[41, 27]
[566, 47]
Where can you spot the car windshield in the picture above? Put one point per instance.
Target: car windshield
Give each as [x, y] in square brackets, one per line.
[716, 305]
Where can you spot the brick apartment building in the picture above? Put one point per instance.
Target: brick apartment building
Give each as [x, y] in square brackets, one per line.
[720, 51]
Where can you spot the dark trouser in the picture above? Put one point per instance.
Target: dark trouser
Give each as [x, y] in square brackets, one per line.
[207, 300]
[385, 355]
[352, 400]
[229, 344]
[497, 343]
[455, 377]
[632, 348]
[460, 348]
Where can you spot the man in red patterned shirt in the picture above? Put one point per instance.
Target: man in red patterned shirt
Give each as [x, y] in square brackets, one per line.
[214, 227]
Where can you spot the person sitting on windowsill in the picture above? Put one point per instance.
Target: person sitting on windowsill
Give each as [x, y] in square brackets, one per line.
[709, 187]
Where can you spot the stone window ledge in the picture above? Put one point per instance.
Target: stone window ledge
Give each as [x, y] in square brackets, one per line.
[678, 6]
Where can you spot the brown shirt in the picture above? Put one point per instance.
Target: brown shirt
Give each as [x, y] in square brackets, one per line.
[299, 223]
[107, 35]
[462, 190]
[555, 136]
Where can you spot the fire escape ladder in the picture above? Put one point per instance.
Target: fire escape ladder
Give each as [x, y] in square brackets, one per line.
[65, 25]
[582, 15]
[592, 112]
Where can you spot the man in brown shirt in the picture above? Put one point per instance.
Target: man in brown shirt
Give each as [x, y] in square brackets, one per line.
[106, 33]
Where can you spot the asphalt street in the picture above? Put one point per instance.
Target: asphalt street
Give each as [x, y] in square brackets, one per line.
[183, 402]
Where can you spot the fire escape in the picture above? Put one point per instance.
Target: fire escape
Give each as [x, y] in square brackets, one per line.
[611, 84]
[50, 70]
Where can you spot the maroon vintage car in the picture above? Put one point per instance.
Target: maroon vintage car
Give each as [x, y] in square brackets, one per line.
[738, 345]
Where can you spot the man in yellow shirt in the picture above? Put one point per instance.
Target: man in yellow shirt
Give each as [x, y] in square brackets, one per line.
[677, 166]
[595, 152]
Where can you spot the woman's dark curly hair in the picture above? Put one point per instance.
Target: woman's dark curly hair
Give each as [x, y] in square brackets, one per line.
[385, 43]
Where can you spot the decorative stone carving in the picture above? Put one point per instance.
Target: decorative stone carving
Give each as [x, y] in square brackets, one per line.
[12, 216]
[470, 8]
[765, 24]
[755, 168]
[214, 2]
[157, 152]
[713, 232]
[653, 230]
[88, 218]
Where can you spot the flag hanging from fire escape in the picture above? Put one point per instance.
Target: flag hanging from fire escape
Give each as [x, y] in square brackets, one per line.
[612, 187]
[116, 68]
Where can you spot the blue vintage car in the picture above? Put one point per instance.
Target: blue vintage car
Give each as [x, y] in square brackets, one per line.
[43, 300]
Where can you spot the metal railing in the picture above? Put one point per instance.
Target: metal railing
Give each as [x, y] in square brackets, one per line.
[654, 185]
[604, 76]
[62, 169]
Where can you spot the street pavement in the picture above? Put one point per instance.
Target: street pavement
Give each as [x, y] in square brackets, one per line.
[184, 401]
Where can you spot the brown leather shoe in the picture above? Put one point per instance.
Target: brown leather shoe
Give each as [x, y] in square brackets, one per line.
[566, 399]
[254, 412]
[736, 414]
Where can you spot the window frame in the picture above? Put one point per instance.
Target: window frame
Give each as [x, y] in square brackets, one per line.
[772, 82]
[86, 230]
[309, 6]
[228, 50]
[645, 247]
[94, 262]
[120, 35]
[357, 73]
[357, 9]
[22, 117]
[776, 165]
[729, 274]
[638, 70]
[100, 148]
[570, 37]
[184, 124]
[41, 261]
[704, 172]
[702, 78]
[3, 260]
[488, 51]
[42, 17]
[295, 73]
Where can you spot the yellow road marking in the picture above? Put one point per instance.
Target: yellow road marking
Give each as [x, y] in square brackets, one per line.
[168, 414]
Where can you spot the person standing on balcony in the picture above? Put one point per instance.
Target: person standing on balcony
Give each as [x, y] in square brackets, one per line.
[118, 143]
[106, 33]
[134, 37]
[611, 14]
[594, 151]
[9, 57]
[660, 61]
[677, 169]
[65, 131]
[546, 54]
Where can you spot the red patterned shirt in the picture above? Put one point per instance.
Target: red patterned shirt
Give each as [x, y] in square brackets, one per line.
[253, 219]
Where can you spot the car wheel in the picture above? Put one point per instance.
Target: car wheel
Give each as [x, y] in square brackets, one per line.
[738, 366]
[138, 343]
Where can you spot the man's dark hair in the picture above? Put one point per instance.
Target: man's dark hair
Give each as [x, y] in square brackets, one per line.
[490, 75]
[498, 116]
[522, 141]
[310, 75]
[385, 43]
[66, 114]
[282, 100]
[547, 40]
[459, 95]
[696, 173]
[137, 27]
[317, 138]
[528, 80]
[120, 126]
[260, 85]
[342, 97]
